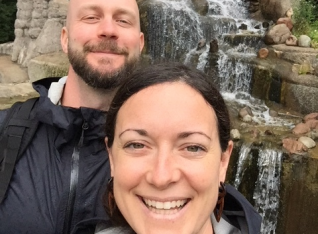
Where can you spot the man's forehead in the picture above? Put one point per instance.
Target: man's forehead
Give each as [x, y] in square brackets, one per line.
[130, 5]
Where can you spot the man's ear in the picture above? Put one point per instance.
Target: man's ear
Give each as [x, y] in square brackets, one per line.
[64, 39]
[225, 159]
[142, 41]
[110, 156]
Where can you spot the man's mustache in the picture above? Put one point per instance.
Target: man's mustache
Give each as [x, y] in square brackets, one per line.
[105, 45]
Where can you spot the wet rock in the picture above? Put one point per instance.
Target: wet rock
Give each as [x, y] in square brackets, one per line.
[255, 133]
[293, 146]
[301, 128]
[311, 116]
[247, 118]
[243, 125]
[201, 6]
[304, 41]
[313, 134]
[273, 113]
[312, 124]
[291, 41]
[245, 111]
[278, 53]
[263, 53]
[289, 13]
[214, 46]
[215, 9]
[277, 35]
[287, 21]
[201, 44]
[265, 24]
[243, 27]
[269, 133]
[235, 135]
[304, 68]
[273, 10]
[308, 142]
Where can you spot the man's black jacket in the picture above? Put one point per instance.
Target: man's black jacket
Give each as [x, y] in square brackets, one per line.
[60, 179]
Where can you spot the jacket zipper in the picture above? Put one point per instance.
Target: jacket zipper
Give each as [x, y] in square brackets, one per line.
[73, 182]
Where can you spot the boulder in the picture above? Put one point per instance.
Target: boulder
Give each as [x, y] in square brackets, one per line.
[235, 134]
[48, 65]
[273, 9]
[214, 46]
[308, 142]
[301, 128]
[245, 111]
[312, 124]
[294, 147]
[287, 21]
[201, 6]
[263, 53]
[277, 34]
[291, 41]
[273, 113]
[304, 41]
[311, 116]
[201, 44]
[247, 119]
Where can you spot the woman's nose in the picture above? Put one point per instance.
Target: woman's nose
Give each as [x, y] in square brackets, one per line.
[164, 171]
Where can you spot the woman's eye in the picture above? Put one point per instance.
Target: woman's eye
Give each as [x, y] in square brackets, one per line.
[194, 148]
[135, 146]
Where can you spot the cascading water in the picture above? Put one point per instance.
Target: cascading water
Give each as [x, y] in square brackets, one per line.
[174, 32]
[266, 192]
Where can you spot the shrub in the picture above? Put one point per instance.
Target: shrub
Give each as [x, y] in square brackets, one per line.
[8, 11]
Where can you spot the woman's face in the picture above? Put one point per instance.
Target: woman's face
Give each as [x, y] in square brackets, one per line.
[166, 160]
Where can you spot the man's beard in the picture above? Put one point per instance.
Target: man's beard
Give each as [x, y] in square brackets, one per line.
[108, 80]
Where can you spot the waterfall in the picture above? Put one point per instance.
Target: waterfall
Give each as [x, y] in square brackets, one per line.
[244, 157]
[266, 192]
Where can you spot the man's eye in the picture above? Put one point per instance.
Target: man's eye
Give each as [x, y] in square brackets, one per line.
[135, 146]
[123, 21]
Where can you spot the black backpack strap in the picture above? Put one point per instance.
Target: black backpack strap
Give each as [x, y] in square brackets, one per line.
[17, 132]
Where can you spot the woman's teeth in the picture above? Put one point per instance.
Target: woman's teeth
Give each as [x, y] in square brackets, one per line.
[165, 205]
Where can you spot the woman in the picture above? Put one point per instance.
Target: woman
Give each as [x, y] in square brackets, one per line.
[168, 137]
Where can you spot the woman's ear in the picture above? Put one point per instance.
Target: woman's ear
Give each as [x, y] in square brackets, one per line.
[225, 159]
[110, 156]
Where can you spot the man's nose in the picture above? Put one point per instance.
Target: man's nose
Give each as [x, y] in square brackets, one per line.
[108, 28]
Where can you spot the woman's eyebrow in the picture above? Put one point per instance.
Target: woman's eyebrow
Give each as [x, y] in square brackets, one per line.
[139, 131]
[187, 134]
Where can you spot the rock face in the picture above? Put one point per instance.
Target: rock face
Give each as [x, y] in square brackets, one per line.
[37, 28]
[277, 35]
[201, 6]
[304, 41]
[273, 9]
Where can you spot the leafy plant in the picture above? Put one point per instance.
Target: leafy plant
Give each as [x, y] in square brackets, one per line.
[8, 11]
[306, 20]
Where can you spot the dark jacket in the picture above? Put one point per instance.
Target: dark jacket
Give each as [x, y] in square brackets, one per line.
[240, 213]
[60, 179]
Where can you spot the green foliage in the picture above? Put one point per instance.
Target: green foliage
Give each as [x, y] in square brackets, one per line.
[8, 11]
[306, 20]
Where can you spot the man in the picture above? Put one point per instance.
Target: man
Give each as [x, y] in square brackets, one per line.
[58, 182]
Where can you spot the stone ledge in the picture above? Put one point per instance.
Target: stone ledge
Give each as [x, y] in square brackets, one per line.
[48, 65]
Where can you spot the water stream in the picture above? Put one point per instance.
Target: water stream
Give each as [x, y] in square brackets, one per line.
[174, 32]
